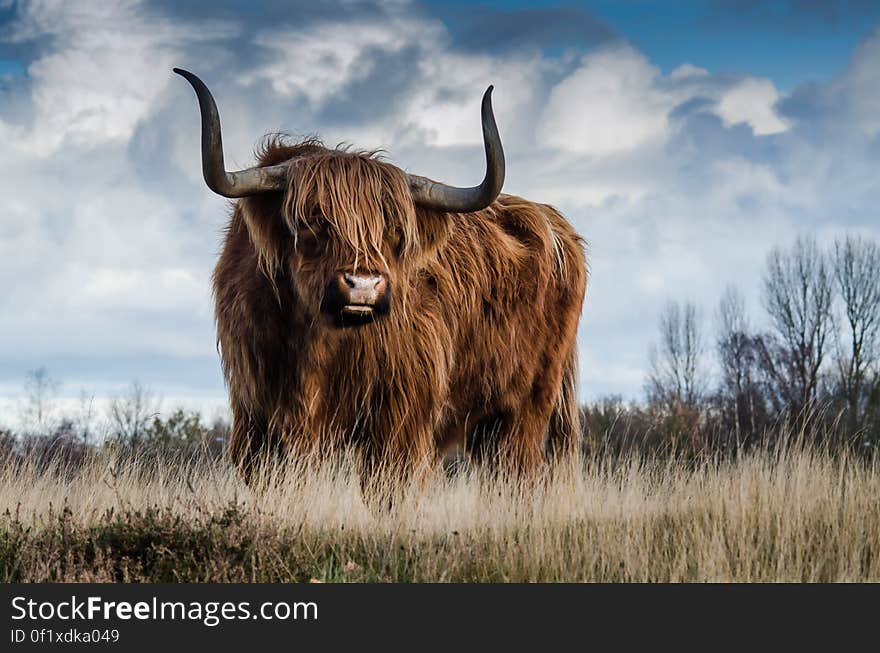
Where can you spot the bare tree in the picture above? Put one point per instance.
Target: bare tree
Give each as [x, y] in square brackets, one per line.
[676, 375]
[38, 411]
[738, 350]
[798, 298]
[857, 272]
[731, 315]
[84, 421]
[130, 414]
[733, 350]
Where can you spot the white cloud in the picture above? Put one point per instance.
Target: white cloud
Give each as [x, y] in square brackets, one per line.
[617, 102]
[752, 101]
[108, 63]
[853, 99]
[610, 104]
[320, 61]
[688, 71]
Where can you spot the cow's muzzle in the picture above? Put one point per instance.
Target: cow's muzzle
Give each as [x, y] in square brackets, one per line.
[354, 299]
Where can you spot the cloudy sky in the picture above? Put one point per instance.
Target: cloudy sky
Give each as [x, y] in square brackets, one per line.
[682, 139]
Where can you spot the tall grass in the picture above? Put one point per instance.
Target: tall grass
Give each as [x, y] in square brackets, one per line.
[789, 514]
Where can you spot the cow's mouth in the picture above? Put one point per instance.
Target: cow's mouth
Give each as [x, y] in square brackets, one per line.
[347, 311]
[356, 314]
[358, 309]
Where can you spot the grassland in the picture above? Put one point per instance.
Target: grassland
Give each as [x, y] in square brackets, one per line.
[791, 515]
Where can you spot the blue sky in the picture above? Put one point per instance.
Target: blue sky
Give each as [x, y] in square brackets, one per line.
[790, 42]
[682, 139]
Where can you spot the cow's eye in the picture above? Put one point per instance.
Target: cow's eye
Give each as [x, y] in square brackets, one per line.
[395, 239]
[309, 241]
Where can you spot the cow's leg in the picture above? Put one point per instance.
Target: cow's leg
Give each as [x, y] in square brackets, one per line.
[390, 467]
[450, 441]
[528, 438]
[523, 451]
[513, 441]
[482, 440]
[509, 443]
[250, 443]
[257, 444]
[398, 444]
[564, 436]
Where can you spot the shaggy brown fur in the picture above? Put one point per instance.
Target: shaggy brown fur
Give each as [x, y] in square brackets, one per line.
[478, 350]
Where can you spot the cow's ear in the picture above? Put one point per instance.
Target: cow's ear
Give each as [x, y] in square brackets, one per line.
[262, 216]
[433, 229]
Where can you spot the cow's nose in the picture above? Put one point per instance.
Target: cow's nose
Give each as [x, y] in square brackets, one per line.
[362, 289]
[357, 298]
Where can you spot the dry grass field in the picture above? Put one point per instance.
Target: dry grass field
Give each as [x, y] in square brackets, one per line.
[793, 515]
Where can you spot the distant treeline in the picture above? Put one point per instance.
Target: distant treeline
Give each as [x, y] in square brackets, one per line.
[132, 425]
[813, 372]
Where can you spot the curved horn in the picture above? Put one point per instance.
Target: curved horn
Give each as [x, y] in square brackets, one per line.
[229, 184]
[439, 196]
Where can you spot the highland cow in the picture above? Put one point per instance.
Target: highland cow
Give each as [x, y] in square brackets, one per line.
[361, 306]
